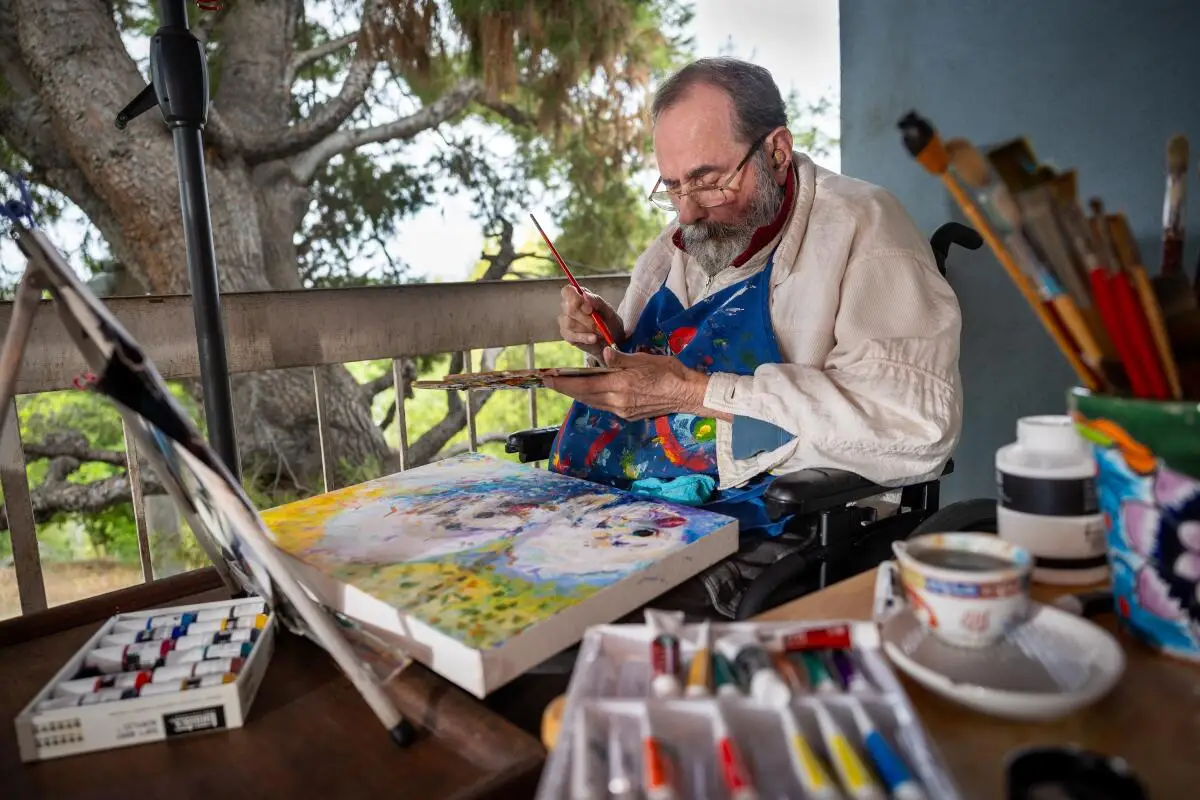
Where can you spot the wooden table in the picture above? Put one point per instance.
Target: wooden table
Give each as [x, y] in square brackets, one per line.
[309, 734]
[1151, 718]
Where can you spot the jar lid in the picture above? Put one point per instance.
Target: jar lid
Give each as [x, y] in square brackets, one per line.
[1051, 432]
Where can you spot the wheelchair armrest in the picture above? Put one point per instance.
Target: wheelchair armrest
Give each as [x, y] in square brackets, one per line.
[809, 491]
[531, 445]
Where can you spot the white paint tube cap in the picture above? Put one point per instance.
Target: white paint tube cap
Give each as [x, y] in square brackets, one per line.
[767, 687]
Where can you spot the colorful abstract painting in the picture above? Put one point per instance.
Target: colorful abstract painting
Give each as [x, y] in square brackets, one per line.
[480, 548]
[508, 378]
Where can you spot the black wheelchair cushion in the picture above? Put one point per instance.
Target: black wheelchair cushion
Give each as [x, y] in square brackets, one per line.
[531, 445]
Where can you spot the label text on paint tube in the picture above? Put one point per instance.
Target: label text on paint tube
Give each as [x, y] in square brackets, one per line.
[203, 719]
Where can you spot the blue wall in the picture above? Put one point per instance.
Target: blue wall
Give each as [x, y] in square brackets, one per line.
[1098, 85]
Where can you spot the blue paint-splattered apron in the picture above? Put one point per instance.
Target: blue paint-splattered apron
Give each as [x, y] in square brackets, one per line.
[729, 331]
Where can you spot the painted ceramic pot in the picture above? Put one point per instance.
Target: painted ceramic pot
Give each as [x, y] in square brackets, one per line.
[1148, 482]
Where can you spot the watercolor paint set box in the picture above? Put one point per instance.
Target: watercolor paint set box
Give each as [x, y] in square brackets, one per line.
[739, 711]
[152, 675]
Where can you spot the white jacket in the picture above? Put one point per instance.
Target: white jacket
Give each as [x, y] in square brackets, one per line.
[868, 328]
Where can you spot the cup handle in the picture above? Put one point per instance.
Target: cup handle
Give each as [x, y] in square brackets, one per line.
[889, 594]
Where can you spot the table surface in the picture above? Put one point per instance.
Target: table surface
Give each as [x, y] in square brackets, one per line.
[1151, 718]
[309, 734]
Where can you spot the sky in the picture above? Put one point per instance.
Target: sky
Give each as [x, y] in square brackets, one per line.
[797, 40]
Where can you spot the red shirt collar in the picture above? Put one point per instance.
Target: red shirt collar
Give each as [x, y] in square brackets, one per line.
[763, 236]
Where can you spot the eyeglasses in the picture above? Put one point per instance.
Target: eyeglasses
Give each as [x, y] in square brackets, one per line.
[704, 196]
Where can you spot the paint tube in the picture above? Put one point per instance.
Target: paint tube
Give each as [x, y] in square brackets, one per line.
[664, 652]
[724, 677]
[787, 670]
[753, 661]
[620, 778]
[856, 779]
[214, 614]
[700, 674]
[736, 777]
[172, 687]
[197, 669]
[814, 778]
[818, 674]
[127, 658]
[220, 637]
[833, 637]
[250, 609]
[891, 768]
[848, 671]
[229, 650]
[118, 680]
[146, 623]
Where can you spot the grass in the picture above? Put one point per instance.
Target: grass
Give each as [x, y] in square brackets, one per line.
[69, 580]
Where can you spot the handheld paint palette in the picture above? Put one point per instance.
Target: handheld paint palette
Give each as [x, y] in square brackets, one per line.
[739, 711]
[152, 675]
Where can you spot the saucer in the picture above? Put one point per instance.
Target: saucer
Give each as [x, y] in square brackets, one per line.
[1052, 664]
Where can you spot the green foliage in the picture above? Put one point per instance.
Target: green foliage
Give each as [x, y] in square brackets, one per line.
[357, 204]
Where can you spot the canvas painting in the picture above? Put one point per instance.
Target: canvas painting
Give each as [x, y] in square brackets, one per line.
[508, 378]
[481, 552]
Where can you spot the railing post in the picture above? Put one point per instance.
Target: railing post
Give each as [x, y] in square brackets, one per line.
[531, 363]
[401, 418]
[472, 438]
[18, 506]
[328, 477]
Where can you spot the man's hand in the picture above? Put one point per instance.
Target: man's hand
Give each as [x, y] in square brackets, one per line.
[645, 386]
[576, 325]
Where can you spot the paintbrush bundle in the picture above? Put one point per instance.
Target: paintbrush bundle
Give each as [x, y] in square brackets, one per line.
[1078, 264]
[739, 711]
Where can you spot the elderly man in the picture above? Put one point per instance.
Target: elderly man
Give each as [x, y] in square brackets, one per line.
[789, 317]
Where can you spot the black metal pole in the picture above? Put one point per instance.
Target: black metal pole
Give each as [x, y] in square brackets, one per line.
[179, 86]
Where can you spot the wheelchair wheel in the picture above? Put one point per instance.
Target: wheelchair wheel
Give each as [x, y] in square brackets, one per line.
[965, 516]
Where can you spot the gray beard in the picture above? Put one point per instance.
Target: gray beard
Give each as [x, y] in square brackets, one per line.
[714, 245]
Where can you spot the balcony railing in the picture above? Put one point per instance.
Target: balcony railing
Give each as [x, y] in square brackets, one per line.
[280, 330]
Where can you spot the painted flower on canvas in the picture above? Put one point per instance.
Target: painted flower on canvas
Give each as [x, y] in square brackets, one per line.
[1154, 539]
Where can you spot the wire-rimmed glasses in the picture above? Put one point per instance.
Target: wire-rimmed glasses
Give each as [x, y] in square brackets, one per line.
[704, 196]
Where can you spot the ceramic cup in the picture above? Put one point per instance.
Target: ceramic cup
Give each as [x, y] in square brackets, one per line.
[968, 589]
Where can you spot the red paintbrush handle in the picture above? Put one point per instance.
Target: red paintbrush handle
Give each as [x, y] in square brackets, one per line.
[1107, 308]
[1142, 346]
[600, 326]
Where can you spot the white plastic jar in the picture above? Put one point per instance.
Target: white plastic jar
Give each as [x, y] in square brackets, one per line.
[1046, 501]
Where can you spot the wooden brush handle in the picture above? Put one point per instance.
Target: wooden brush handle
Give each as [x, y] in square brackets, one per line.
[1023, 284]
[1158, 328]
[1074, 322]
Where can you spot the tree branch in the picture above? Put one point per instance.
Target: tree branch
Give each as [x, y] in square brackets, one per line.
[302, 59]
[509, 112]
[306, 164]
[327, 117]
[58, 495]
[72, 445]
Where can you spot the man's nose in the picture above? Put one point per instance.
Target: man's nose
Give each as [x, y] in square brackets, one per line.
[689, 210]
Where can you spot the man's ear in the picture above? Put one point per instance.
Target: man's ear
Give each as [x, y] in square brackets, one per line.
[781, 154]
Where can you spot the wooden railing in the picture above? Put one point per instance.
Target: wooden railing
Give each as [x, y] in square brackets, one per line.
[279, 330]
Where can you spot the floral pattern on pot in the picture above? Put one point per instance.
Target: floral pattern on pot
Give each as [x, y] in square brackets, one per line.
[1153, 518]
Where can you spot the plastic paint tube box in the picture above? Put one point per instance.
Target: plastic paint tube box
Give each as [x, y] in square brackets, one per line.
[627, 731]
[140, 697]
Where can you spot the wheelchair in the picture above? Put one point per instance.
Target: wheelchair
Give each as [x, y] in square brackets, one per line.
[842, 535]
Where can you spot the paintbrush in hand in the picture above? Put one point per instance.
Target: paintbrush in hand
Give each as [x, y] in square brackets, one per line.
[600, 326]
